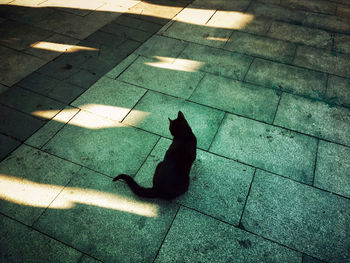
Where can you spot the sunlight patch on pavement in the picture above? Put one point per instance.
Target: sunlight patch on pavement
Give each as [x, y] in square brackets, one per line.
[57, 47]
[87, 118]
[25, 192]
[179, 64]
[230, 20]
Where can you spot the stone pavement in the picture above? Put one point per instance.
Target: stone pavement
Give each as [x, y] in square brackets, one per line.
[87, 87]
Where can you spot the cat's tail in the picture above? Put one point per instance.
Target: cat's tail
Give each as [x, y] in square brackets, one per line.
[137, 189]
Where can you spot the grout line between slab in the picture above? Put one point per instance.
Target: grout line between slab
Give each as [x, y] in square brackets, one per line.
[246, 117]
[208, 151]
[144, 161]
[26, 113]
[315, 164]
[266, 58]
[278, 104]
[326, 88]
[47, 235]
[205, 73]
[42, 146]
[171, 224]
[217, 130]
[63, 187]
[246, 73]
[243, 229]
[246, 200]
[132, 62]
[14, 149]
[133, 107]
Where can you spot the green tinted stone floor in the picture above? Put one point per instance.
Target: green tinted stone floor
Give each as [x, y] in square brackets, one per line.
[86, 88]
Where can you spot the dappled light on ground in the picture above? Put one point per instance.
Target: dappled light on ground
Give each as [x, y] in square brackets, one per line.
[57, 47]
[221, 39]
[105, 5]
[187, 65]
[91, 121]
[25, 192]
[230, 20]
[189, 15]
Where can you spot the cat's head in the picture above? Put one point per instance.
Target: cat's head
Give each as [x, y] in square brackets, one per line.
[179, 127]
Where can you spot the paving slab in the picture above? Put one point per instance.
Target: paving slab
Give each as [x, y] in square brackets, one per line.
[264, 146]
[87, 259]
[76, 26]
[333, 168]
[109, 57]
[132, 229]
[260, 46]
[158, 75]
[30, 181]
[323, 7]
[125, 33]
[50, 87]
[153, 109]
[7, 145]
[302, 35]
[16, 65]
[299, 216]
[159, 12]
[117, 70]
[239, 21]
[3, 88]
[194, 15]
[59, 69]
[287, 78]
[31, 103]
[343, 11]
[106, 38]
[276, 12]
[195, 237]
[110, 98]
[24, 14]
[83, 79]
[129, 21]
[19, 36]
[216, 61]
[338, 90]
[78, 54]
[239, 5]
[102, 144]
[51, 47]
[315, 118]
[342, 42]
[115, 55]
[160, 46]
[327, 22]
[200, 34]
[17, 124]
[331, 62]
[237, 97]
[218, 186]
[308, 259]
[76, 7]
[21, 243]
[45, 133]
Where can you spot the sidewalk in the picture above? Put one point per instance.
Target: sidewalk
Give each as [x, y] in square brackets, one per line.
[86, 88]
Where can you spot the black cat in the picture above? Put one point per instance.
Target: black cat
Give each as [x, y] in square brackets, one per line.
[171, 177]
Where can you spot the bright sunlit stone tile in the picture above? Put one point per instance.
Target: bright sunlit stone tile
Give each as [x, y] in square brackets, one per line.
[57, 47]
[230, 20]
[29, 193]
[187, 65]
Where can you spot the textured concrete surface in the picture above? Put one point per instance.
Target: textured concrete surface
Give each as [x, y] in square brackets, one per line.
[86, 89]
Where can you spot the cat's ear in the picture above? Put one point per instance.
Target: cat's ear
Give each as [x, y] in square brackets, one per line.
[180, 115]
[170, 120]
